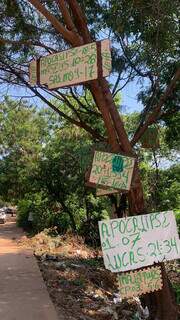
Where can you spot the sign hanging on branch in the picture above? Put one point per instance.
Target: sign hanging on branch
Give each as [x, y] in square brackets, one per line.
[138, 241]
[150, 139]
[133, 284]
[74, 66]
[113, 170]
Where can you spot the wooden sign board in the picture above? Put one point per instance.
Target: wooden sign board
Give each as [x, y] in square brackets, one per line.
[76, 65]
[112, 170]
[33, 73]
[150, 139]
[106, 192]
[133, 284]
[138, 241]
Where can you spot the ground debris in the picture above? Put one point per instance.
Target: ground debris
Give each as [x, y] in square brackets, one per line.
[79, 285]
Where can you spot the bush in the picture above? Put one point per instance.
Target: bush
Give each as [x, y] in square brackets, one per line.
[38, 205]
[177, 214]
[44, 213]
[23, 210]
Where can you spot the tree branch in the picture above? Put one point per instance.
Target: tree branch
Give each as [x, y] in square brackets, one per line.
[69, 36]
[80, 123]
[66, 15]
[116, 84]
[157, 109]
[27, 43]
[123, 86]
[116, 119]
[141, 74]
[80, 20]
[83, 106]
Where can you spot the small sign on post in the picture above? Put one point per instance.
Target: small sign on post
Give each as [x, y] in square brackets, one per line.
[133, 284]
[112, 170]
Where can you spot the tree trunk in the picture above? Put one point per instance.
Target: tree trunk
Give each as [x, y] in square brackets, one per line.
[135, 195]
[161, 304]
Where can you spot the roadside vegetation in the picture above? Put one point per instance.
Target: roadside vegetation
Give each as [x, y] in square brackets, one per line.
[43, 165]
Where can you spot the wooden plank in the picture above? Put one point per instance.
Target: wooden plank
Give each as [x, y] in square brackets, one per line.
[103, 192]
[112, 170]
[33, 72]
[134, 284]
[74, 66]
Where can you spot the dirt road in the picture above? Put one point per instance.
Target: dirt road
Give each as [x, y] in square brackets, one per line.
[23, 295]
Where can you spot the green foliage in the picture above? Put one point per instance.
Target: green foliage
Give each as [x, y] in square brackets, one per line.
[38, 205]
[172, 134]
[43, 164]
[24, 208]
[176, 288]
[177, 214]
[161, 187]
[22, 135]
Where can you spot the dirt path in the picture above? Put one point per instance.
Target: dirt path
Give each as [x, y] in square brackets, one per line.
[23, 294]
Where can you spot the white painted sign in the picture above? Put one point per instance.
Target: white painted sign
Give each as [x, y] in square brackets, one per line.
[74, 66]
[113, 170]
[134, 242]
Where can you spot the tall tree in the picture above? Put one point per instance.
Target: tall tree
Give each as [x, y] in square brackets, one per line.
[53, 25]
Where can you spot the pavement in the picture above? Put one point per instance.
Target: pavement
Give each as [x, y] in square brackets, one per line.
[23, 294]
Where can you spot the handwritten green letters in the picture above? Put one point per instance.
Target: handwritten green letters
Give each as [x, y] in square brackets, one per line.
[112, 170]
[74, 66]
[133, 284]
[138, 241]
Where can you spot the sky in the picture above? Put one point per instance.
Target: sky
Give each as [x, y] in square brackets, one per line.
[128, 96]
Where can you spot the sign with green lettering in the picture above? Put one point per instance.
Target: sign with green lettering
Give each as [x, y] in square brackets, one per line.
[133, 284]
[113, 170]
[138, 241]
[76, 65]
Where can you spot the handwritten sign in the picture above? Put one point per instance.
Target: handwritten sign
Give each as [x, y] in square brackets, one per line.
[76, 65]
[33, 73]
[138, 241]
[133, 284]
[106, 57]
[112, 170]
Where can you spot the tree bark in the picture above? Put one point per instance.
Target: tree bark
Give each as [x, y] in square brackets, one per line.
[160, 303]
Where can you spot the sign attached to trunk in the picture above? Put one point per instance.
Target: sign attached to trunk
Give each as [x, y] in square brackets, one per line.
[33, 73]
[113, 170]
[133, 284]
[138, 241]
[76, 65]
